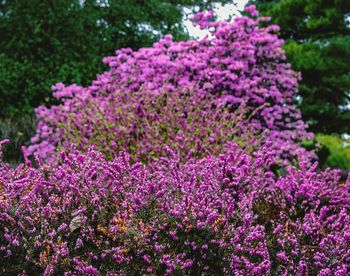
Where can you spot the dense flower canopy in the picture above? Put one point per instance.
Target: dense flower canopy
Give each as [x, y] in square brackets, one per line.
[166, 165]
[145, 124]
[225, 214]
[240, 63]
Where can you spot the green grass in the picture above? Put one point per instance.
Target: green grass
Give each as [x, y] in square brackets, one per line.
[338, 150]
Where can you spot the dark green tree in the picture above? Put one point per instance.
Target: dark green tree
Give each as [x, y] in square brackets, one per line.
[317, 34]
[45, 42]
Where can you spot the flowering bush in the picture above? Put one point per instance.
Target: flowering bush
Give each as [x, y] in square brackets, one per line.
[118, 199]
[241, 63]
[143, 124]
[217, 215]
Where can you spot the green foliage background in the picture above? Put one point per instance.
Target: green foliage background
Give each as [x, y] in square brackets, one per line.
[338, 150]
[317, 35]
[45, 42]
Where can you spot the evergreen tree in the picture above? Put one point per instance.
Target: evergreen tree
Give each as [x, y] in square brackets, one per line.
[317, 34]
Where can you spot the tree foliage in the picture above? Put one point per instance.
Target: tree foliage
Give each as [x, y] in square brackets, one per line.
[45, 42]
[318, 44]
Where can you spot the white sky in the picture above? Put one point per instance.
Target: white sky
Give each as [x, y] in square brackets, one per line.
[223, 12]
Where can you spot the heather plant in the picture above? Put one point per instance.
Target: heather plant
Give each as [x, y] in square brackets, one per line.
[88, 215]
[225, 214]
[144, 124]
[307, 222]
[241, 63]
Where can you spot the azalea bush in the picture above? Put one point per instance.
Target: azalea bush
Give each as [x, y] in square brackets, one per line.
[241, 63]
[225, 214]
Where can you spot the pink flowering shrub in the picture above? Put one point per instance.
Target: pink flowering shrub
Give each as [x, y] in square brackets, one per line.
[161, 166]
[240, 63]
[307, 220]
[144, 124]
[216, 215]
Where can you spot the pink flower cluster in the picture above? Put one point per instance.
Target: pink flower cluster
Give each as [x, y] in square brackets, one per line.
[217, 215]
[240, 63]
